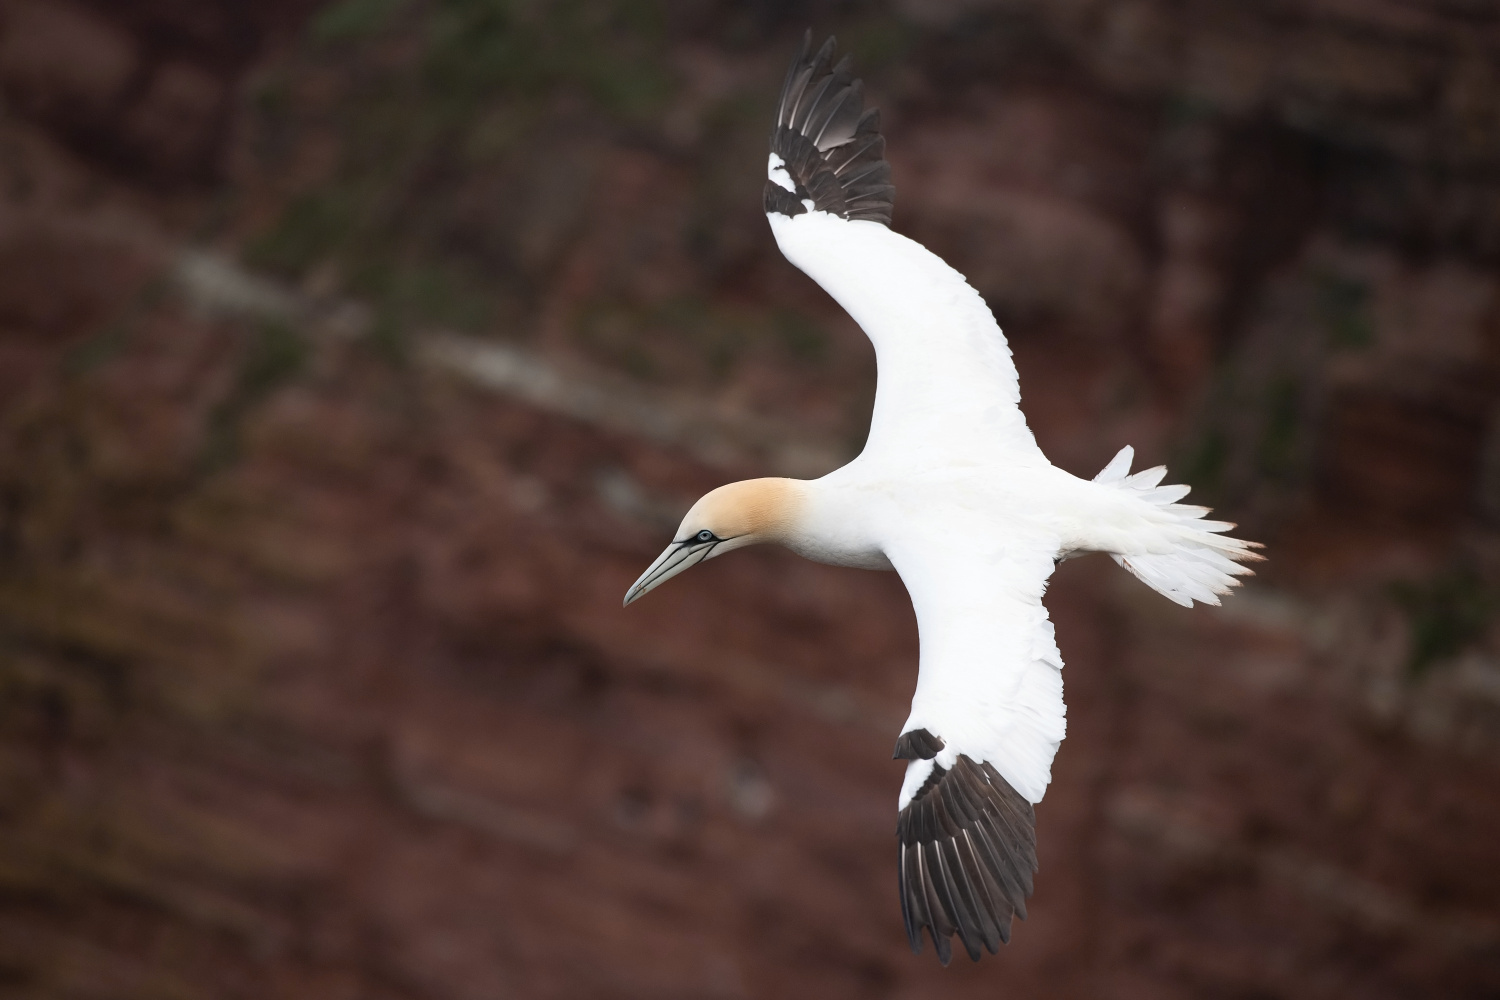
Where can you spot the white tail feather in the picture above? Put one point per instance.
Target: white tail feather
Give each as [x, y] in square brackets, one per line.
[1187, 558]
[1117, 467]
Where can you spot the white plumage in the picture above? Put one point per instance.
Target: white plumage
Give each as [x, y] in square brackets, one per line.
[952, 491]
[952, 488]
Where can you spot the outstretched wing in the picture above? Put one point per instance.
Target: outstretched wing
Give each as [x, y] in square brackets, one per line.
[947, 384]
[985, 723]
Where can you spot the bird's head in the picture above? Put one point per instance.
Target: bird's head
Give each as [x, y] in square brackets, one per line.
[729, 518]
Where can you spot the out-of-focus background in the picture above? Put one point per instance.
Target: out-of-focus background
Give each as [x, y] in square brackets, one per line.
[355, 356]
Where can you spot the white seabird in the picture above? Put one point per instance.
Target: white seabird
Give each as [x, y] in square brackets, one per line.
[952, 492]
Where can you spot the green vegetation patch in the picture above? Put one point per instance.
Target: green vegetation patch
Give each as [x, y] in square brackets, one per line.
[313, 227]
[689, 336]
[432, 109]
[614, 52]
[1281, 429]
[1205, 465]
[275, 355]
[1343, 310]
[1447, 615]
[352, 19]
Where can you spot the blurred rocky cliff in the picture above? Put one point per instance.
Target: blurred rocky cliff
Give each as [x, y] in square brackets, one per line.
[355, 356]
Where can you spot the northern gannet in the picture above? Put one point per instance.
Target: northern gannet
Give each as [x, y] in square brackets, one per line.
[952, 492]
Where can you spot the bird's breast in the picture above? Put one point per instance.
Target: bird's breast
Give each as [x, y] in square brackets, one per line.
[841, 552]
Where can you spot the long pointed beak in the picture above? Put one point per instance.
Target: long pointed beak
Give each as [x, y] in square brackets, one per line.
[678, 557]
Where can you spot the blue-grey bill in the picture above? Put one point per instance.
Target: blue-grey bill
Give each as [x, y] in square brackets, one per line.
[678, 557]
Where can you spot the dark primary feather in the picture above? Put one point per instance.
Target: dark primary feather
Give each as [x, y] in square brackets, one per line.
[830, 144]
[918, 744]
[967, 843]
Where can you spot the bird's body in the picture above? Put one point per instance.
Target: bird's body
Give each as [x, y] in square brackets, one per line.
[953, 493]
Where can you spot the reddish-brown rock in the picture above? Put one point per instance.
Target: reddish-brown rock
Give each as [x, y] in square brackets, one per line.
[314, 680]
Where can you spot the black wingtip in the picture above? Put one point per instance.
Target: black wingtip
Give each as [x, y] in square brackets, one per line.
[830, 145]
[967, 851]
[918, 744]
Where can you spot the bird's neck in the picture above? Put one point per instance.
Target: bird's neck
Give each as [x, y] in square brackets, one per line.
[765, 510]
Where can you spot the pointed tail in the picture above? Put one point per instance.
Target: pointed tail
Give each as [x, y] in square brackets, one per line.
[1184, 558]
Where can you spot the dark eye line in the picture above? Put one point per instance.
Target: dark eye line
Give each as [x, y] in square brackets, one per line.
[698, 539]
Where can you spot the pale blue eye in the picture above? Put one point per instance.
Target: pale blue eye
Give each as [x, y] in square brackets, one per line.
[705, 535]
